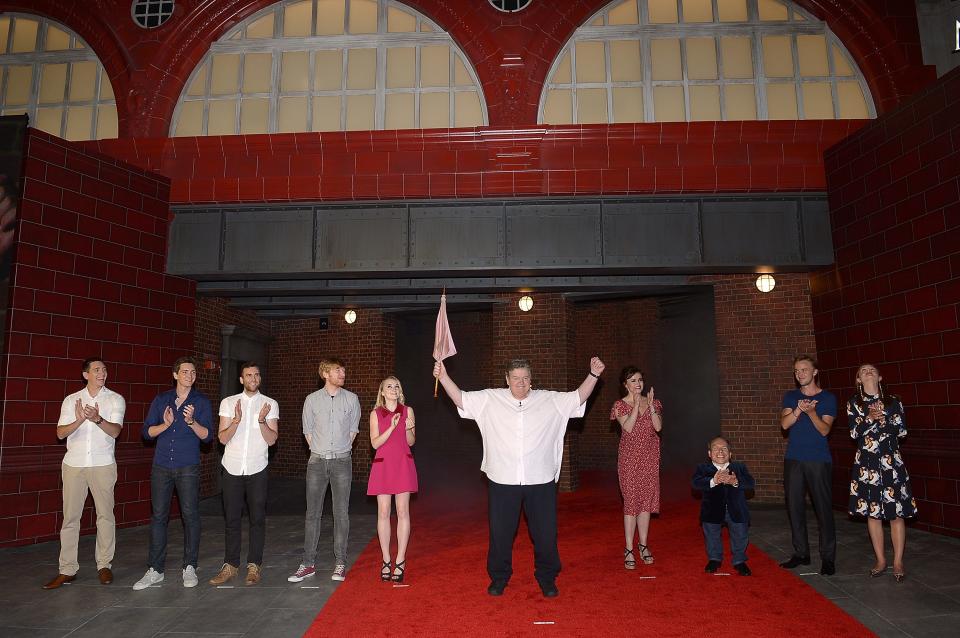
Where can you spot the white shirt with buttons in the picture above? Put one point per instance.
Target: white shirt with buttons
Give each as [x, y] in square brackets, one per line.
[246, 451]
[88, 445]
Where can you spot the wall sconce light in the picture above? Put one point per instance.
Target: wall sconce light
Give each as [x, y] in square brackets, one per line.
[350, 316]
[765, 283]
[525, 303]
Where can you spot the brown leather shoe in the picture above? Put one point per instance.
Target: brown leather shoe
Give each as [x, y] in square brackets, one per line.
[227, 572]
[105, 576]
[59, 580]
[253, 574]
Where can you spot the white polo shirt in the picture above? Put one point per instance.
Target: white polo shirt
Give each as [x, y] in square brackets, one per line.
[522, 440]
[88, 445]
[246, 451]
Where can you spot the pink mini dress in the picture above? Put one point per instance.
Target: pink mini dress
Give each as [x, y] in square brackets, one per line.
[393, 470]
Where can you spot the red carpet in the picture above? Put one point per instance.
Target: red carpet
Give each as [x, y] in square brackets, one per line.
[447, 580]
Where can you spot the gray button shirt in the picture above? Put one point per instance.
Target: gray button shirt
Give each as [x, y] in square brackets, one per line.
[331, 421]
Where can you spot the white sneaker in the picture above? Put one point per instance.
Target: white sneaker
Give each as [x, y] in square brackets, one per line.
[339, 573]
[152, 577]
[190, 576]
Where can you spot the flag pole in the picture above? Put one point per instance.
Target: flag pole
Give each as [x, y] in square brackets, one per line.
[436, 380]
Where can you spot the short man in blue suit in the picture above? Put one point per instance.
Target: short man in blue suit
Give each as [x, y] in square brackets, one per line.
[724, 484]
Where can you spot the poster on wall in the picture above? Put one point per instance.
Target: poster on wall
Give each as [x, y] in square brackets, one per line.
[13, 130]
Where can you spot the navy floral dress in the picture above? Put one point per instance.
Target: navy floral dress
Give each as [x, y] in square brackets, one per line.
[880, 485]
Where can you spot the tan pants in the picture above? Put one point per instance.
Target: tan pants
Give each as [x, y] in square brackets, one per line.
[76, 482]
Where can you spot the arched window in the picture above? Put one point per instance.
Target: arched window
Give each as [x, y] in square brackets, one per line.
[330, 65]
[49, 73]
[687, 60]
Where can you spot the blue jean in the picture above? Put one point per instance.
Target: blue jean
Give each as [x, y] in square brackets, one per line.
[713, 539]
[162, 482]
[338, 474]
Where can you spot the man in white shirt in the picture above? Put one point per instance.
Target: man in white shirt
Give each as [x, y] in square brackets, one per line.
[522, 431]
[90, 421]
[248, 427]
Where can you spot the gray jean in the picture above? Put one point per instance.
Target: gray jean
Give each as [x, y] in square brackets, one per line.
[338, 474]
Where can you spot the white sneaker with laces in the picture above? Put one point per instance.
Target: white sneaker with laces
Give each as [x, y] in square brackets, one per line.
[190, 576]
[339, 573]
[152, 577]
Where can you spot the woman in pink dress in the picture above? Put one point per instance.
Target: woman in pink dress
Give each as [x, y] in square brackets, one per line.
[638, 461]
[393, 473]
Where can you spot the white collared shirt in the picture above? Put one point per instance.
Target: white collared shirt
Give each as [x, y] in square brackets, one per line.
[246, 451]
[89, 445]
[522, 440]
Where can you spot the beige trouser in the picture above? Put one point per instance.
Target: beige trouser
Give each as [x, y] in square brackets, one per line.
[76, 481]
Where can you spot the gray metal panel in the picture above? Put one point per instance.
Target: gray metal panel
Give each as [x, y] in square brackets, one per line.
[194, 244]
[651, 233]
[562, 234]
[362, 238]
[817, 234]
[760, 232]
[268, 241]
[456, 236]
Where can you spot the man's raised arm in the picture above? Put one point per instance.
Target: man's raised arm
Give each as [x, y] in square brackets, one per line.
[440, 372]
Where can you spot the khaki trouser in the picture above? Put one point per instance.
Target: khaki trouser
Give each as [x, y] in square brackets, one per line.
[76, 482]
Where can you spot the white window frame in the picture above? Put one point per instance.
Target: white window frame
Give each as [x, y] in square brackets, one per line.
[754, 28]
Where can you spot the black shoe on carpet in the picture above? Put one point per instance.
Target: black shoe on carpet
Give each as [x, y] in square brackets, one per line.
[496, 587]
[549, 589]
[794, 561]
[827, 568]
[711, 566]
[742, 569]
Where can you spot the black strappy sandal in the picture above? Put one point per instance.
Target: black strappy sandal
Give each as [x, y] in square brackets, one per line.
[645, 555]
[628, 560]
[385, 571]
[398, 578]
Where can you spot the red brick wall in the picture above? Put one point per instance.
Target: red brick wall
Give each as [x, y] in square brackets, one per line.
[618, 159]
[367, 351]
[893, 297]
[87, 280]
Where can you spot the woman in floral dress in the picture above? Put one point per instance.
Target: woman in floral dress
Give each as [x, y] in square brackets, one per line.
[880, 485]
[638, 461]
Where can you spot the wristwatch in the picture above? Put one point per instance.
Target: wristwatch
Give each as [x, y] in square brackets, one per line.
[99, 420]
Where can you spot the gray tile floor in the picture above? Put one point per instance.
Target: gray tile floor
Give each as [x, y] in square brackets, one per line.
[926, 604]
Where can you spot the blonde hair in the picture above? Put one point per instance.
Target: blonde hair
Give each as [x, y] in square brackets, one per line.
[380, 402]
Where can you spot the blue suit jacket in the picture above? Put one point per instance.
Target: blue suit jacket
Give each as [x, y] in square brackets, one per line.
[720, 499]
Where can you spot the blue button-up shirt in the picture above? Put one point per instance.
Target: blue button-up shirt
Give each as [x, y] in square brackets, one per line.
[178, 445]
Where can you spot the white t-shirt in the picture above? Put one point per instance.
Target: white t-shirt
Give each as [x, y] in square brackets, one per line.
[522, 440]
[246, 451]
[88, 445]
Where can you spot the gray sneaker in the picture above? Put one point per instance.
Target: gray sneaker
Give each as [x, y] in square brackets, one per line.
[190, 576]
[149, 579]
[339, 573]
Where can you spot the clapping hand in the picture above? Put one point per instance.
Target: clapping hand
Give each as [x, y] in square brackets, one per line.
[264, 411]
[237, 414]
[91, 412]
[168, 416]
[78, 410]
[877, 412]
[395, 420]
[807, 405]
[188, 413]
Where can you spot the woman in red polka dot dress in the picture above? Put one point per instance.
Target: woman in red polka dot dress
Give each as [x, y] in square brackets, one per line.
[638, 461]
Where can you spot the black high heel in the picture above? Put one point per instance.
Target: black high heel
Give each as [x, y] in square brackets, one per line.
[398, 578]
[385, 571]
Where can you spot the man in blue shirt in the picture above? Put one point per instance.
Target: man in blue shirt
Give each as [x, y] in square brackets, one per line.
[808, 413]
[178, 421]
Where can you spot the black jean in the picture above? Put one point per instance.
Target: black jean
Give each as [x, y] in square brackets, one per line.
[251, 489]
[800, 477]
[540, 504]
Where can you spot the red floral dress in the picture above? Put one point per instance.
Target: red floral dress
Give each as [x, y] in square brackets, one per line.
[638, 461]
